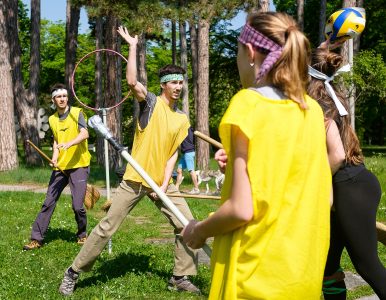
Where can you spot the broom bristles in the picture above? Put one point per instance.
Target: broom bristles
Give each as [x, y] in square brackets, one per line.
[91, 197]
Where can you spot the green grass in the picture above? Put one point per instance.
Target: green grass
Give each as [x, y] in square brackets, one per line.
[139, 266]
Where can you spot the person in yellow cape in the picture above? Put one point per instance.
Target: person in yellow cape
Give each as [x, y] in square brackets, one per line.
[71, 160]
[160, 130]
[271, 231]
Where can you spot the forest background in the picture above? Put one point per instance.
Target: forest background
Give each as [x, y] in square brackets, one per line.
[195, 34]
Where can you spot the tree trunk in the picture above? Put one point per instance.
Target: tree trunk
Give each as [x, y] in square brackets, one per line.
[72, 24]
[357, 40]
[345, 48]
[322, 20]
[174, 43]
[300, 14]
[99, 84]
[202, 121]
[8, 144]
[263, 5]
[113, 91]
[347, 52]
[184, 64]
[26, 103]
[194, 49]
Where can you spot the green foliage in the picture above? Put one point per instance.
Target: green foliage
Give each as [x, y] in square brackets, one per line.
[223, 73]
[369, 79]
[311, 15]
[24, 24]
[373, 37]
[52, 53]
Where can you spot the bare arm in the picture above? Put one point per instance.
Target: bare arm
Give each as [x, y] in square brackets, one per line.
[136, 87]
[335, 149]
[169, 170]
[55, 153]
[237, 210]
[167, 174]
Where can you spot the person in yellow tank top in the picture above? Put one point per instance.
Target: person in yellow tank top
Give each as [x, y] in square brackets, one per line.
[70, 155]
[160, 130]
[271, 231]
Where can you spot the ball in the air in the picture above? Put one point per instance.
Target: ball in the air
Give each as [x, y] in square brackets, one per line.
[345, 24]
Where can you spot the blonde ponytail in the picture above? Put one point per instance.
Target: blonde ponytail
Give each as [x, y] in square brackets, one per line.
[290, 72]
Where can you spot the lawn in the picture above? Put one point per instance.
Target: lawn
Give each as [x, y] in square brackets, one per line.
[142, 258]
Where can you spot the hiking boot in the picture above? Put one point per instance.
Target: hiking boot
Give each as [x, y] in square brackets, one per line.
[34, 244]
[182, 285]
[82, 240]
[68, 283]
[194, 191]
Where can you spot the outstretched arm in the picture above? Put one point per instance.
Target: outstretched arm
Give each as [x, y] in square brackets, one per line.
[136, 87]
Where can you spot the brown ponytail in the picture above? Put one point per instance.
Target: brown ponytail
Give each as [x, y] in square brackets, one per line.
[328, 63]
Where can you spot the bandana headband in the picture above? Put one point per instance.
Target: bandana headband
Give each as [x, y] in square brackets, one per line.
[263, 44]
[330, 91]
[57, 92]
[171, 77]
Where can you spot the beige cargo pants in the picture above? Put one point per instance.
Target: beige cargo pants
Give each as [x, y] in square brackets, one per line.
[126, 197]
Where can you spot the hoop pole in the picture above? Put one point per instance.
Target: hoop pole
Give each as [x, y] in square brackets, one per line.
[107, 170]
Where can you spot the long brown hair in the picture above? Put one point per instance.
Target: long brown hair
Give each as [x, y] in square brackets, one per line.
[289, 73]
[328, 63]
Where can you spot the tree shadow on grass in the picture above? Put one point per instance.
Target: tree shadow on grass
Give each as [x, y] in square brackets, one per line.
[119, 266]
[53, 234]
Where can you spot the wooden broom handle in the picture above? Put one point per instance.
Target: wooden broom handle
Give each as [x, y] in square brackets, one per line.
[199, 196]
[208, 139]
[43, 155]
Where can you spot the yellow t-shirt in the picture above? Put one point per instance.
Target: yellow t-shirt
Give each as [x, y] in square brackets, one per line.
[282, 252]
[64, 131]
[157, 142]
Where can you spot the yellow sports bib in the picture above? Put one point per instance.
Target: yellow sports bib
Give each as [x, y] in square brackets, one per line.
[64, 131]
[281, 253]
[154, 145]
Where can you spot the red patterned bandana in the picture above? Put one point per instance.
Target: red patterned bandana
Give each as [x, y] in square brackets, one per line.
[264, 45]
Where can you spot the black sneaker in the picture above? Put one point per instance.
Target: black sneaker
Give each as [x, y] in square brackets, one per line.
[182, 285]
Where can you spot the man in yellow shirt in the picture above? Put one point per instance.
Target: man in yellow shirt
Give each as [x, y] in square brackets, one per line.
[71, 161]
[159, 132]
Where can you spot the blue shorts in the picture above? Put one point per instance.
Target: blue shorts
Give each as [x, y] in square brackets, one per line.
[187, 161]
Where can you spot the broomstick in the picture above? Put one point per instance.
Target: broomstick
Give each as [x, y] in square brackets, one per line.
[92, 194]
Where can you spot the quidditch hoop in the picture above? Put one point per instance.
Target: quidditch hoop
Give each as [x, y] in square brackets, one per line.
[73, 79]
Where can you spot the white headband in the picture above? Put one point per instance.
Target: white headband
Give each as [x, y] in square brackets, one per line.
[319, 75]
[57, 92]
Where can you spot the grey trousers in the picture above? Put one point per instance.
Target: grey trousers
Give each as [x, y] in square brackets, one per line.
[127, 195]
[77, 179]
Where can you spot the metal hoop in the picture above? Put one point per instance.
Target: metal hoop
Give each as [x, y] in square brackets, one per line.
[73, 80]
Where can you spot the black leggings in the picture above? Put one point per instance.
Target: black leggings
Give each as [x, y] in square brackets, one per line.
[353, 226]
